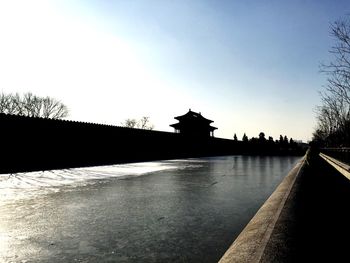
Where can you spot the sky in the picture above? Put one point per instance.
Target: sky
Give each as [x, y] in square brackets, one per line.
[250, 66]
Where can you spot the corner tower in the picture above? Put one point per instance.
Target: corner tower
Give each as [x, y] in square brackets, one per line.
[193, 124]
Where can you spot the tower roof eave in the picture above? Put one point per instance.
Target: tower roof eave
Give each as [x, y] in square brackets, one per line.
[191, 114]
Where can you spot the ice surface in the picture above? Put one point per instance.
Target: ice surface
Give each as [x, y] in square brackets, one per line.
[26, 185]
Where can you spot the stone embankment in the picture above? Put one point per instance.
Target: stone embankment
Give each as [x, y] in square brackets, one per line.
[306, 219]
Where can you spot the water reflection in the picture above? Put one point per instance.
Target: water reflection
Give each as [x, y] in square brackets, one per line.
[184, 211]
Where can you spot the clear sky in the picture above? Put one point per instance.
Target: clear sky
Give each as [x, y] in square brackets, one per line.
[250, 66]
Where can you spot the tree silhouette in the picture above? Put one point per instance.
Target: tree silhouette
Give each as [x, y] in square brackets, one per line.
[291, 141]
[245, 138]
[143, 123]
[333, 116]
[32, 106]
[281, 139]
[262, 137]
[235, 137]
[129, 123]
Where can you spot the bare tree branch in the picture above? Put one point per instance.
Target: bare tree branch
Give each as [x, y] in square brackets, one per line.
[32, 106]
[334, 114]
[143, 123]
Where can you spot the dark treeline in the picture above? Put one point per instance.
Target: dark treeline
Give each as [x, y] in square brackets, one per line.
[269, 146]
[29, 144]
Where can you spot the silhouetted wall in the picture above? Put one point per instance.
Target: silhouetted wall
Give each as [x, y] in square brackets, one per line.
[39, 144]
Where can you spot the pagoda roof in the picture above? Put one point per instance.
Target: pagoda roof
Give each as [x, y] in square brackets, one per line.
[192, 115]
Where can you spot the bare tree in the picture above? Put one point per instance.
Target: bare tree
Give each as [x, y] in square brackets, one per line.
[4, 103]
[52, 108]
[339, 69]
[129, 123]
[334, 114]
[143, 123]
[10, 103]
[32, 106]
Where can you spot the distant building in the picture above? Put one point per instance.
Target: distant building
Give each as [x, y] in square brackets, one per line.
[194, 124]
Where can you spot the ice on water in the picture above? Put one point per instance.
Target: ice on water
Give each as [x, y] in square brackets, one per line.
[25, 185]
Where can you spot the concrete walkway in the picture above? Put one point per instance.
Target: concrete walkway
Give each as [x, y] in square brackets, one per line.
[314, 223]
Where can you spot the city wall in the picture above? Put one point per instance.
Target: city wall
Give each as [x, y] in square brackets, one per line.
[29, 144]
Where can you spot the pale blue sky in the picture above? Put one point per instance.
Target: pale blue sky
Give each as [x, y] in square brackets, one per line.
[250, 66]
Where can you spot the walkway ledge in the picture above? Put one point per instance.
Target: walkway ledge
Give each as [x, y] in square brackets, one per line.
[250, 245]
[341, 167]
